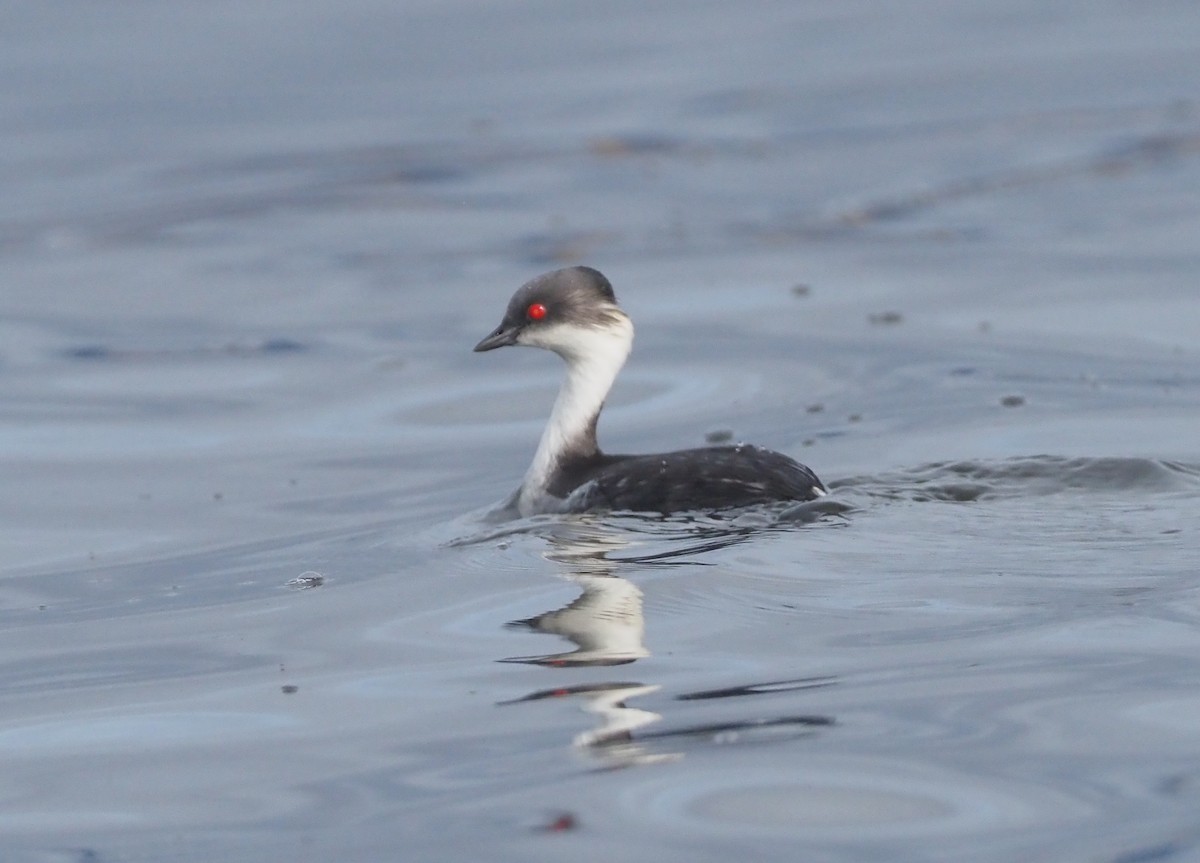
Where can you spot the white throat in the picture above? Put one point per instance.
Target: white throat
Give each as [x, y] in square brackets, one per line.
[594, 356]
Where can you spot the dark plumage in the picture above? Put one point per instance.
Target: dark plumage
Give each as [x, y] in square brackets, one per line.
[719, 477]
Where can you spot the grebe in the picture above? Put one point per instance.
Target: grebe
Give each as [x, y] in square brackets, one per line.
[574, 313]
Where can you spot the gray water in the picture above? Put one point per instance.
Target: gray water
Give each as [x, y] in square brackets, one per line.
[252, 606]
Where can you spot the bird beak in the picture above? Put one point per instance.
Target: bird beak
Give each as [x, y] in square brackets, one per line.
[502, 337]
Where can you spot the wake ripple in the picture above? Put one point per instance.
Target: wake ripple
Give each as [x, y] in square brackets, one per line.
[964, 481]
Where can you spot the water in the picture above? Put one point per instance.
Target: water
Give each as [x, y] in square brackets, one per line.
[252, 606]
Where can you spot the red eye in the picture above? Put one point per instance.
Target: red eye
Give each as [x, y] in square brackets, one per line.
[536, 312]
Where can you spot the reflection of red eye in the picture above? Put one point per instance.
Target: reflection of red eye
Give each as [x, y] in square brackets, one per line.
[536, 312]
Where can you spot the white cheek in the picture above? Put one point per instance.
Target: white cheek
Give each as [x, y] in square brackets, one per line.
[553, 337]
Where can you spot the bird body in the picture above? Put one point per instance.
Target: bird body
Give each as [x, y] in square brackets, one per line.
[574, 313]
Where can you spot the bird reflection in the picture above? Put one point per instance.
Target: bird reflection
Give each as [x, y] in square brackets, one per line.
[604, 622]
[606, 625]
[612, 743]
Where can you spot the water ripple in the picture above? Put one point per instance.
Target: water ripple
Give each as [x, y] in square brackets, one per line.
[964, 481]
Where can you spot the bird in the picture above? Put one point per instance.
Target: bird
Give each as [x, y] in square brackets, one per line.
[574, 313]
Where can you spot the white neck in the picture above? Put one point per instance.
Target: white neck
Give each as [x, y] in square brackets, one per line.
[594, 356]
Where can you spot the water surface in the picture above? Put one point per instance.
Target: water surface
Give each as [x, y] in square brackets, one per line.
[252, 605]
